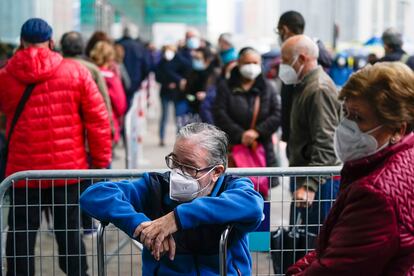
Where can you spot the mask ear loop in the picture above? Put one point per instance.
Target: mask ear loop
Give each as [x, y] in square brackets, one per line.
[203, 189]
[374, 129]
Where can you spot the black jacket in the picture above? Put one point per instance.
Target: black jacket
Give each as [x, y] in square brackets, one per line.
[172, 71]
[233, 111]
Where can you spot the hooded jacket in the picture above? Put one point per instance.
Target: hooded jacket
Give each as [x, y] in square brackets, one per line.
[370, 229]
[64, 107]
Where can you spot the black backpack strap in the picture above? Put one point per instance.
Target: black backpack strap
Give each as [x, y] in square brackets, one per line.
[19, 109]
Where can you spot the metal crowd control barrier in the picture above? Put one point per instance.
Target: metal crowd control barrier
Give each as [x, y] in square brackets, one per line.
[98, 262]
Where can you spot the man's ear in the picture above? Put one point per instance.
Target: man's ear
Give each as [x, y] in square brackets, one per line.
[218, 171]
[287, 32]
[22, 44]
[51, 45]
[302, 58]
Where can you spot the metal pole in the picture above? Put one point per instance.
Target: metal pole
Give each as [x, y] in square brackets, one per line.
[223, 250]
[101, 249]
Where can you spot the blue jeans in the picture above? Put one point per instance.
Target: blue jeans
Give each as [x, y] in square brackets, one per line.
[316, 214]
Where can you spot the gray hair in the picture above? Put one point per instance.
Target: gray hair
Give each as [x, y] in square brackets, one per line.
[392, 38]
[228, 38]
[209, 137]
[305, 45]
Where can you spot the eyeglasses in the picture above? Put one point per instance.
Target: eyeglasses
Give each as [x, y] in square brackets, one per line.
[185, 169]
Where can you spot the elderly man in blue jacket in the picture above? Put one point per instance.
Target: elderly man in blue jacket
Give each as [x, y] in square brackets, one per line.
[179, 216]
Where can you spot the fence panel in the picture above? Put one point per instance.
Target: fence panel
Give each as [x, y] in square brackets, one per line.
[123, 256]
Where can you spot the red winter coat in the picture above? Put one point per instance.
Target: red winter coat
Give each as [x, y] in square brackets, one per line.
[370, 229]
[64, 106]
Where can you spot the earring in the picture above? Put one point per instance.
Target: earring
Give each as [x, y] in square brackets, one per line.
[393, 140]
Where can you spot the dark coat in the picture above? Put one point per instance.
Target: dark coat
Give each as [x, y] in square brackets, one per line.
[233, 111]
[172, 71]
[198, 81]
[136, 61]
[325, 60]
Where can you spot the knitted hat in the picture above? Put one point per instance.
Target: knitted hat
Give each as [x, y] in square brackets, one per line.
[36, 30]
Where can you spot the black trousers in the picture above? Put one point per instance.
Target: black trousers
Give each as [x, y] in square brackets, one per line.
[24, 221]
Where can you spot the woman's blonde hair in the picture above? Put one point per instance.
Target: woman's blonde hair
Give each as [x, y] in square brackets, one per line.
[102, 53]
[389, 87]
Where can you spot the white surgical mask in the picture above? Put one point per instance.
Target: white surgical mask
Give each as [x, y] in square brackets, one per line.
[287, 73]
[185, 188]
[250, 71]
[169, 55]
[351, 143]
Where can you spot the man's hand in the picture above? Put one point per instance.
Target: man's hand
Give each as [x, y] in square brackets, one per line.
[153, 233]
[249, 136]
[304, 197]
[168, 245]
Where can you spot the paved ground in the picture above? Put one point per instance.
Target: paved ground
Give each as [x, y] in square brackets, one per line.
[127, 260]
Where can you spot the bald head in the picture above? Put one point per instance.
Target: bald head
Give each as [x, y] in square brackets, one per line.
[301, 53]
[301, 45]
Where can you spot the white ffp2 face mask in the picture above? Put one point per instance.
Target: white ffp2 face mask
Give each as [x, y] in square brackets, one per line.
[287, 73]
[250, 71]
[351, 143]
[185, 188]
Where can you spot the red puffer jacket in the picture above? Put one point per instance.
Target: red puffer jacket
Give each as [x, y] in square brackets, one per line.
[64, 107]
[370, 229]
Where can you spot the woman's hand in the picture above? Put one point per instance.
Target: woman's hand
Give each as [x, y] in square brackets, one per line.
[249, 136]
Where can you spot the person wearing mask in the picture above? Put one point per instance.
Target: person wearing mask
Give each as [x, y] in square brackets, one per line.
[292, 23]
[201, 84]
[234, 106]
[393, 43]
[315, 114]
[228, 54]
[170, 73]
[63, 108]
[192, 42]
[370, 229]
[103, 55]
[179, 215]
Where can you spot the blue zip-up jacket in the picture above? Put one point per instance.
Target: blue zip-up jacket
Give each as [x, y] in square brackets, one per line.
[200, 222]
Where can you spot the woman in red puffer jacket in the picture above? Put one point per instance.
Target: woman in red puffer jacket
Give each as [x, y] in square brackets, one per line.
[370, 229]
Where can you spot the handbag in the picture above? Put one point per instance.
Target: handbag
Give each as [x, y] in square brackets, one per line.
[249, 157]
[290, 245]
[5, 149]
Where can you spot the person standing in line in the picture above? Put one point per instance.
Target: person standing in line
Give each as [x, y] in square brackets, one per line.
[136, 61]
[292, 23]
[63, 110]
[370, 229]
[314, 116]
[103, 55]
[234, 108]
[170, 73]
